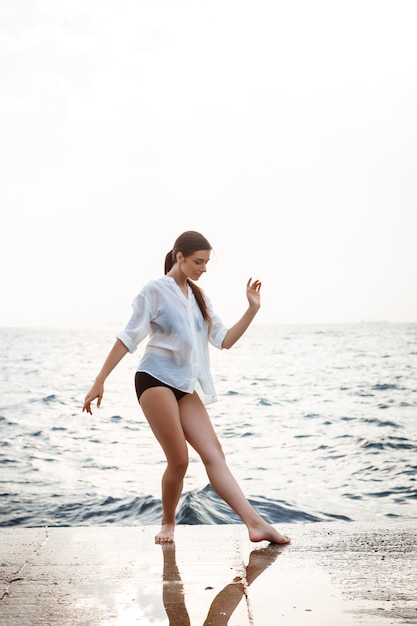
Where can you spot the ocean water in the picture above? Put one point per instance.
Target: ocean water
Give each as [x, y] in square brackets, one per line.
[317, 423]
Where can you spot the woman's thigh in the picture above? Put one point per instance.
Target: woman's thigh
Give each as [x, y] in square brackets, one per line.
[161, 409]
[198, 428]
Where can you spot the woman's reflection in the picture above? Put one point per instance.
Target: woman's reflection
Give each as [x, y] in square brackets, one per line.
[226, 600]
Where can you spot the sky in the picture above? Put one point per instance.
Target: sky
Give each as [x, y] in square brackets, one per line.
[285, 132]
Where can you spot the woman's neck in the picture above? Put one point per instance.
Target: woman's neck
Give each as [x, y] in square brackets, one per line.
[181, 280]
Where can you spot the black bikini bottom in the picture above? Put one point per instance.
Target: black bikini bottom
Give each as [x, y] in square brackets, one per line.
[145, 381]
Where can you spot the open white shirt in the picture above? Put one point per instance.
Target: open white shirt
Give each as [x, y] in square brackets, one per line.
[177, 352]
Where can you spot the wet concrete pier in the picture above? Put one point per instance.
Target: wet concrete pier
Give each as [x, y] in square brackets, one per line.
[337, 574]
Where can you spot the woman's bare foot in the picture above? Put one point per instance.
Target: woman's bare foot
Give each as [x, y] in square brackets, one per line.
[266, 532]
[166, 534]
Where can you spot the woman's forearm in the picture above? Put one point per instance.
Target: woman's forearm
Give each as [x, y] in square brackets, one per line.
[115, 355]
[236, 331]
[96, 392]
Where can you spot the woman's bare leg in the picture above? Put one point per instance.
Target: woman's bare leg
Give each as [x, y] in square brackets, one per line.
[161, 410]
[199, 432]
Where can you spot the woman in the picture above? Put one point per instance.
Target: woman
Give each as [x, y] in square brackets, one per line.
[180, 321]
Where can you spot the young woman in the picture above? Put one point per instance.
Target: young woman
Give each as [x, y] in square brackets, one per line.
[179, 320]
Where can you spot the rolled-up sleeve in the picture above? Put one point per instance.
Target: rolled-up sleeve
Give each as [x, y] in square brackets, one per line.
[138, 326]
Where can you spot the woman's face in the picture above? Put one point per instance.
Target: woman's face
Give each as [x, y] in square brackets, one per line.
[195, 264]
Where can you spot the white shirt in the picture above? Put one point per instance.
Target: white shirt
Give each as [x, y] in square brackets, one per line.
[177, 352]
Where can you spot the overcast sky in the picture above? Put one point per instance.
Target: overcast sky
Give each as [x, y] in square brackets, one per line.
[286, 132]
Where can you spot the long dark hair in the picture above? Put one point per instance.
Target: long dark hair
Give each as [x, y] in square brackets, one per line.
[188, 243]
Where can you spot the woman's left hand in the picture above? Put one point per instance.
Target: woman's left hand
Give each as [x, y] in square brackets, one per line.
[253, 293]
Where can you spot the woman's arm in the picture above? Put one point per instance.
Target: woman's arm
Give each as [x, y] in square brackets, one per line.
[116, 354]
[254, 298]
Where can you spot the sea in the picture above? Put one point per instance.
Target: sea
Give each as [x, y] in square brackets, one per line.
[318, 423]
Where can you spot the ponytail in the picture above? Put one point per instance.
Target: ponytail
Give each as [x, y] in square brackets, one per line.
[198, 294]
[169, 261]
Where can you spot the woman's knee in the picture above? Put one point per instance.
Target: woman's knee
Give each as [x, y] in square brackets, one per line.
[178, 466]
[213, 456]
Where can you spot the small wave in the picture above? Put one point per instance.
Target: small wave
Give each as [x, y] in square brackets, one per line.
[362, 442]
[394, 443]
[380, 423]
[410, 470]
[86, 511]
[206, 507]
[400, 494]
[49, 399]
[352, 496]
[400, 443]
[145, 510]
[385, 387]
[202, 506]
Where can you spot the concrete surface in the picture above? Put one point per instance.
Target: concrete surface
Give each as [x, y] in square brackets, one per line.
[333, 574]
